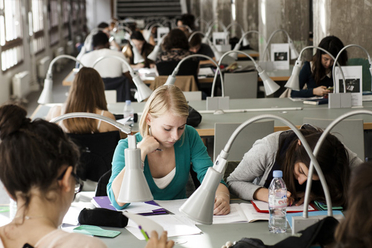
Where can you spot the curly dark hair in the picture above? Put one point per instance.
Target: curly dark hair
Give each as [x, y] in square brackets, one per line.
[176, 38]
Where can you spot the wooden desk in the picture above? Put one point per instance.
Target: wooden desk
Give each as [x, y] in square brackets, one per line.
[206, 127]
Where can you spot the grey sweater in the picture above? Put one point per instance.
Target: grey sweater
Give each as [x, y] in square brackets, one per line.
[253, 170]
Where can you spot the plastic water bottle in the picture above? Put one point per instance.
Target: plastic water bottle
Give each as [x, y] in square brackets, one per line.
[129, 112]
[277, 203]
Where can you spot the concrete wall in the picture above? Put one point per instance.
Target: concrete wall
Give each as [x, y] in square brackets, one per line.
[350, 20]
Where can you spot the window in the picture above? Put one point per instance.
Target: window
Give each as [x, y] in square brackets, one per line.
[66, 7]
[11, 34]
[53, 22]
[38, 41]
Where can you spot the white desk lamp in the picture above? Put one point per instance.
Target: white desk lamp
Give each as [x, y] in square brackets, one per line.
[293, 82]
[294, 53]
[199, 206]
[269, 85]
[217, 54]
[134, 187]
[137, 57]
[148, 31]
[154, 54]
[244, 40]
[301, 222]
[213, 103]
[142, 89]
[46, 95]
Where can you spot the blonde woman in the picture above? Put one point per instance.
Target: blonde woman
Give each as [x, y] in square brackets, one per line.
[87, 94]
[169, 148]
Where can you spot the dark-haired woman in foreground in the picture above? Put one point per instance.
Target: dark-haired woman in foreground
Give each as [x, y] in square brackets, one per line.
[37, 167]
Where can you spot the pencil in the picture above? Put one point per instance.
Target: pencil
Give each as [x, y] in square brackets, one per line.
[144, 233]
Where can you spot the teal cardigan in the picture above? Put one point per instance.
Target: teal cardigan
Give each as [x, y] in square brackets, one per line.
[189, 150]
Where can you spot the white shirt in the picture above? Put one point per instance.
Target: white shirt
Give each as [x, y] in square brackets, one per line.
[107, 68]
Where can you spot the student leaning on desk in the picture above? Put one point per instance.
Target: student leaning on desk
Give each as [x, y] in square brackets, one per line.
[283, 151]
[37, 167]
[317, 74]
[168, 148]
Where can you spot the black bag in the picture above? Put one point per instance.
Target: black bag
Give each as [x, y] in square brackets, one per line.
[321, 233]
[102, 217]
[194, 118]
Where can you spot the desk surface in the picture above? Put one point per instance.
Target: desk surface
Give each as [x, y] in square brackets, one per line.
[276, 106]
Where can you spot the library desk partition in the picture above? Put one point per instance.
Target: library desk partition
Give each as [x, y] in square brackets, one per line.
[245, 109]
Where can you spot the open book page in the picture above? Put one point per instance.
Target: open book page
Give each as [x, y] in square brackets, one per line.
[251, 213]
[236, 215]
[264, 207]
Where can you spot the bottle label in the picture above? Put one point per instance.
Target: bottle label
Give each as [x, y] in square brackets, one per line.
[278, 201]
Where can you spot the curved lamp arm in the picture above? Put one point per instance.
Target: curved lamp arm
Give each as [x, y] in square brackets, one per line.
[238, 45]
[143, 91]
[121, 127]
[338, 55]
[210, 26]
[137, 57]
[294, 53]
[194, 33]
[46, 95]
[269, 84]
[235, 23]
[201, 21]
[172, 78]
[294, 83]
[316, 150]
[199, 206]
[148, 34]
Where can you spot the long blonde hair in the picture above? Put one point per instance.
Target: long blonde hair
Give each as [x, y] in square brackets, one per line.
[87, 94]
[165, 98]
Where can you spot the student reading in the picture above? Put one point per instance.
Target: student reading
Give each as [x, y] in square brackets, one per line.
[317, 74]
[163, 126]
[37, 167]
[283, 151]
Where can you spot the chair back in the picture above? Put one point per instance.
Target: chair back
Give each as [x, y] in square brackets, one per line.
[243, 142]
[241, 85]
[96, 153]
[121, 85]
[349, 132]
[110, 96]
[185, 83]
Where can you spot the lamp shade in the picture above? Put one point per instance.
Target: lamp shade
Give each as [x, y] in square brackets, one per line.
[269, 85]
[137, 57]
[143, 91]
[134, 187]
[294, 53]
[199, 206]
[154, 54]
[293, 82]
[46, 95]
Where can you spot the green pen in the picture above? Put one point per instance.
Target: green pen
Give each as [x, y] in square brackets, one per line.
[144, 233]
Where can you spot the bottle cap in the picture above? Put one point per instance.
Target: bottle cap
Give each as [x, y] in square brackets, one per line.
[277, 173]
[128, 102]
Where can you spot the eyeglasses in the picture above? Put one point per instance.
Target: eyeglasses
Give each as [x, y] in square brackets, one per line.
[78, 182]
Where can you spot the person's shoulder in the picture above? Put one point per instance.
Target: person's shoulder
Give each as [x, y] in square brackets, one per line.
[59, 238]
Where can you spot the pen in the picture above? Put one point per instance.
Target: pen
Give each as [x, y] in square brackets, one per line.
[144, 233]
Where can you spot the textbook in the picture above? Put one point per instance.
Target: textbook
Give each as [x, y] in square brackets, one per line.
[263, 207]
[240, 212]
[316, 102]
